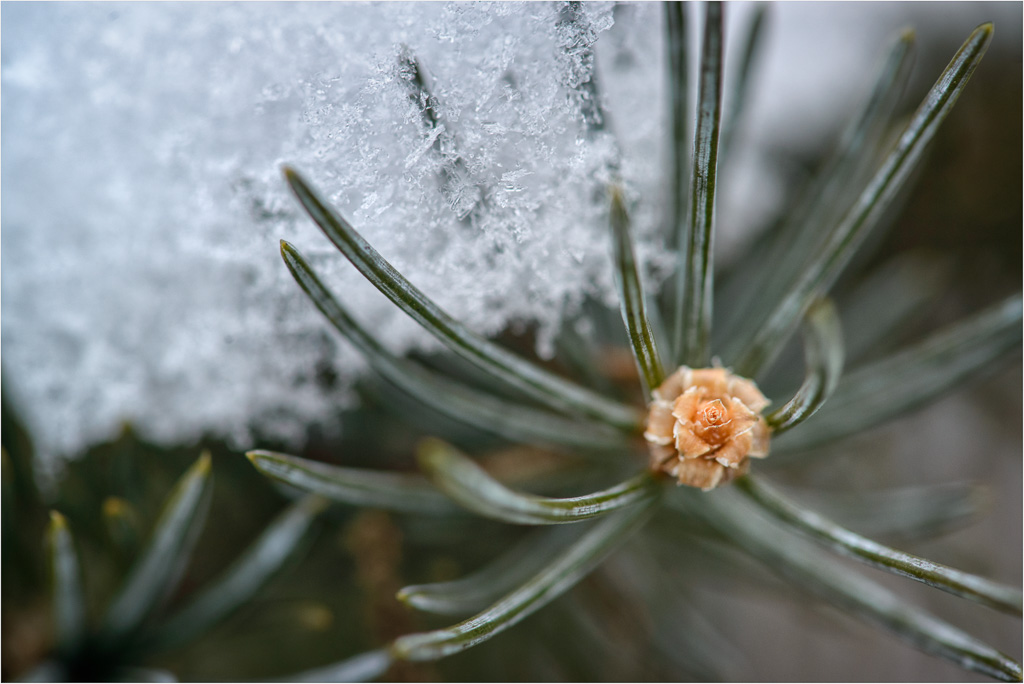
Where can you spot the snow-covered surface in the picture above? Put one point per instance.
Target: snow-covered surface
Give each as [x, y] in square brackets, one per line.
[142, 200]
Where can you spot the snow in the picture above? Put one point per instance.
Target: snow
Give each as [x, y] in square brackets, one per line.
[142, 201]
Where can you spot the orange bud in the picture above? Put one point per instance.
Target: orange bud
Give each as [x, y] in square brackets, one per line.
[704, 424]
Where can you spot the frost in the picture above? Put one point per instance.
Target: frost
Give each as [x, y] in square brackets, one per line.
[142, 200]
[424, 146]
